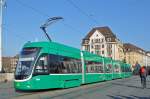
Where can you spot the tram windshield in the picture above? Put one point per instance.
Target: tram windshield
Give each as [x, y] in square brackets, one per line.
[26, 61]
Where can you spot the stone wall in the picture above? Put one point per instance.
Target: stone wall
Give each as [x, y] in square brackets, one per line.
[6, 76]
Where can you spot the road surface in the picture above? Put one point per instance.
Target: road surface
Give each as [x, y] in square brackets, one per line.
[128, 88]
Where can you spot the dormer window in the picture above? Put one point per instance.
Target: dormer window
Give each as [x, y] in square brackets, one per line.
[108, 39]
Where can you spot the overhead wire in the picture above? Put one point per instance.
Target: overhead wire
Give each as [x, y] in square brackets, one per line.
[82, 11]
[32, 8]
[17, 35]
[45, 14]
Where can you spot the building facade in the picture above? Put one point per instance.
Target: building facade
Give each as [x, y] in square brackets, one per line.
[134, 54]
[9, 63]
[148, 58]
[102, 41]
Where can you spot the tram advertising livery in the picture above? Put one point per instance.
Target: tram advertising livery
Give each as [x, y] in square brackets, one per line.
[48, 65]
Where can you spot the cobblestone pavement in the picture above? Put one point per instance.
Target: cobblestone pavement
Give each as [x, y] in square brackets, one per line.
[128, 88]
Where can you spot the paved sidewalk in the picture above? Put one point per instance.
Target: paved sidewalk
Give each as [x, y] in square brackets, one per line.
[128, 88]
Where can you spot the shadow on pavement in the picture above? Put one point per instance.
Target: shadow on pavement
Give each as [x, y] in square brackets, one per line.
[128, 85]
[127, 97]
[36, 91]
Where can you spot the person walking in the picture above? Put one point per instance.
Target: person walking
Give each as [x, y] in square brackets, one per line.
[143, 75]
[136, 68]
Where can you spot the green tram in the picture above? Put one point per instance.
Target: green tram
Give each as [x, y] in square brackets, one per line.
[48, 65]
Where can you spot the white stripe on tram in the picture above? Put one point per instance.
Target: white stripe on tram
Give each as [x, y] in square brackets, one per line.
[67, 74]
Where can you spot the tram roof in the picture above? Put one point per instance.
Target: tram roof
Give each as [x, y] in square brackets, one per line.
[55, 45]
[50, 45]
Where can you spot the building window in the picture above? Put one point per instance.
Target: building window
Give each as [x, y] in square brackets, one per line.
[96, 46]
[110, 46]
[87, 47]
[102, 52]
[108, 39]
[99, 52]
[102, 40]
[103, 46]
[96, 40]
[110, 51]
[92, 40]
[86, 41]
[96, 52]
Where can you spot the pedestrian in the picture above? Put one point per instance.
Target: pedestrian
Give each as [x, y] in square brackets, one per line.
[143, 75]
[136, 68]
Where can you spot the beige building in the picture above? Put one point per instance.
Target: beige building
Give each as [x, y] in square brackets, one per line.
[148, 58]
[102, 41]
[9, 63]
[134, 54]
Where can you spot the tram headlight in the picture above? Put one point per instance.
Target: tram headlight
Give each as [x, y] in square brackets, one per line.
[28, 86]
[17, 84]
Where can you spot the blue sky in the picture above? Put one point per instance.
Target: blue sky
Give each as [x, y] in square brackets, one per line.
[128, 19]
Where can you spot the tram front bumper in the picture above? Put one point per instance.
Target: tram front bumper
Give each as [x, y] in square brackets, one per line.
[26, 85]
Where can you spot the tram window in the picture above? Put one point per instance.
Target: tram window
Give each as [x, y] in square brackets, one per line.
[130, 69]
[116, 68]
[94, 67]
[100, 68]
[72, 65]
[87, 68]
[41, 65]
[108, 68]
[53, 61]
[123, 68]
[62, 64]
[77, 67]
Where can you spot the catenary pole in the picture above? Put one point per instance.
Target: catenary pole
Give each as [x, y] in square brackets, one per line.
[1, 29]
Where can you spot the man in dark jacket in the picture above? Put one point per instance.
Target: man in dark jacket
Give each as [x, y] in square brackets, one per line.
[143, 75]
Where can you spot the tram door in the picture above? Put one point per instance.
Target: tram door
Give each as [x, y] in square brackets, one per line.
[41, 67]
[41, 72]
